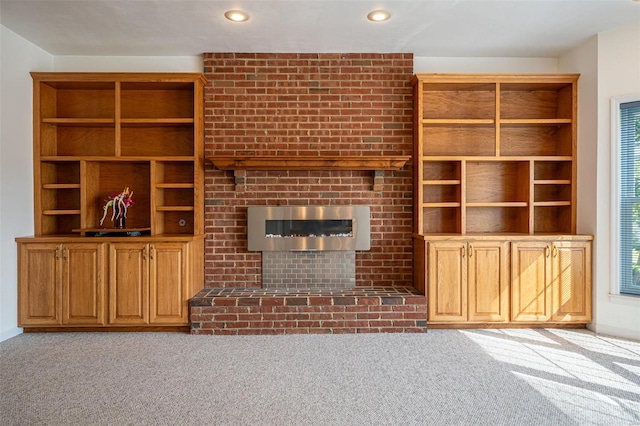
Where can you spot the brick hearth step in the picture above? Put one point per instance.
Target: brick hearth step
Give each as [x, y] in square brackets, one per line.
[265, 311]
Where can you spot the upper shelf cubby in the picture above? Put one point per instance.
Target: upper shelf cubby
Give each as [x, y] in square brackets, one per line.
[536, 101]
[67, 101]
[450, 102]
[170, 100]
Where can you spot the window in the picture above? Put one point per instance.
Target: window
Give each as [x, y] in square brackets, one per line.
[627, 214]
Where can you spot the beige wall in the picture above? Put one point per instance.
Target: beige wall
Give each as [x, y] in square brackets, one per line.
[609, 65]
[618, 74]
[17, 58]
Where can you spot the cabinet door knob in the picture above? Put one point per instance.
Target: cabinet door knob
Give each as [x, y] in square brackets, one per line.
[57, 253]
[64, 253]
[546, 251]
[144, 253]
[470, 250]
[151, 250]
[555, 251]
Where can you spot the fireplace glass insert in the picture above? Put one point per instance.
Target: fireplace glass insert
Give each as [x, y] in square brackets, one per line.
[308, 228]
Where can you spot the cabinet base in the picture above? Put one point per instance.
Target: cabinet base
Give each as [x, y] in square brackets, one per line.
[168, 328]
[436, 325]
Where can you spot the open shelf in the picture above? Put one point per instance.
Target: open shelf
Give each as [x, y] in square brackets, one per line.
[551, 139]
[174, 140]
[442, 193]
[552, 171]
[552, 193]
[497, 220]
[497, 182]
[76, 99]
[166, 100]
[536, 100]
[553, 219]
[441, 220]
[459, 140]
[459, 101]
[111, 177]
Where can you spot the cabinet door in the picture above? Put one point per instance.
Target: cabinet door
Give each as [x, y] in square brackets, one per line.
[530, 281]
[128, 284]
[488, 281]
[447, 272]
[83, 287]
[571, 286]
[40, 293]
[168, 283]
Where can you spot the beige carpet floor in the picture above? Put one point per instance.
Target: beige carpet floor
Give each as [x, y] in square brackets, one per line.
[442, 377]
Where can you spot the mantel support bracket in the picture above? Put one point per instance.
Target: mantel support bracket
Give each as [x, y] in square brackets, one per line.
[240, 179]
[378, 180]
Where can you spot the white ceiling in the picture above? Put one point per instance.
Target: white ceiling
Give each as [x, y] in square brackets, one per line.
[467, 28]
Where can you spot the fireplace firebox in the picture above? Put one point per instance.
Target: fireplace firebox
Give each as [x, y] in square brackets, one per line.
[308, 228]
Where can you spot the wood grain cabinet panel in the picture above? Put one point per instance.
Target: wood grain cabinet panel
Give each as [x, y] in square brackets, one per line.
[83, 278]
[468, 281]
[551, 281]
[531, 284]
[571, 286]
[129, 283]
[169, 276]
[488, 281]
[149, 283]
[40, 290]
[61, 284]
[447, 270]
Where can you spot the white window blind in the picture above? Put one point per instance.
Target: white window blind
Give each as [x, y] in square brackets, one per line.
[629, 236]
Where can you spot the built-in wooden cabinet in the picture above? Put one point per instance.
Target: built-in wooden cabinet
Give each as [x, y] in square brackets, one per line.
[62, 283]
[495, 158]
[551, 281]
[94, 135]
[149, 283]
[468, 280]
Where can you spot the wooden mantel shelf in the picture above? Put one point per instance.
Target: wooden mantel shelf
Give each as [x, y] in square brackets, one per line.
[308, 163]
[376, 164]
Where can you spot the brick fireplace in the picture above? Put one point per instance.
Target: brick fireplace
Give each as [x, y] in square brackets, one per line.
[308, 105]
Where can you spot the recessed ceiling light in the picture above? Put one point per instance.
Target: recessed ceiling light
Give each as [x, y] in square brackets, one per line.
[378, 15]
[236, 15]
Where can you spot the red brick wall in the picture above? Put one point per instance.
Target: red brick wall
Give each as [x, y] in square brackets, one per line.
[308, 104]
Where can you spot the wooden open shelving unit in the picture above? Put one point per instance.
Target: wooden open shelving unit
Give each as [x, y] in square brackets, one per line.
[495, 159]
[94, 135]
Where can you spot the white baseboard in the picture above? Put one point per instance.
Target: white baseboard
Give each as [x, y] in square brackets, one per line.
[607, 330]
[8, 334]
